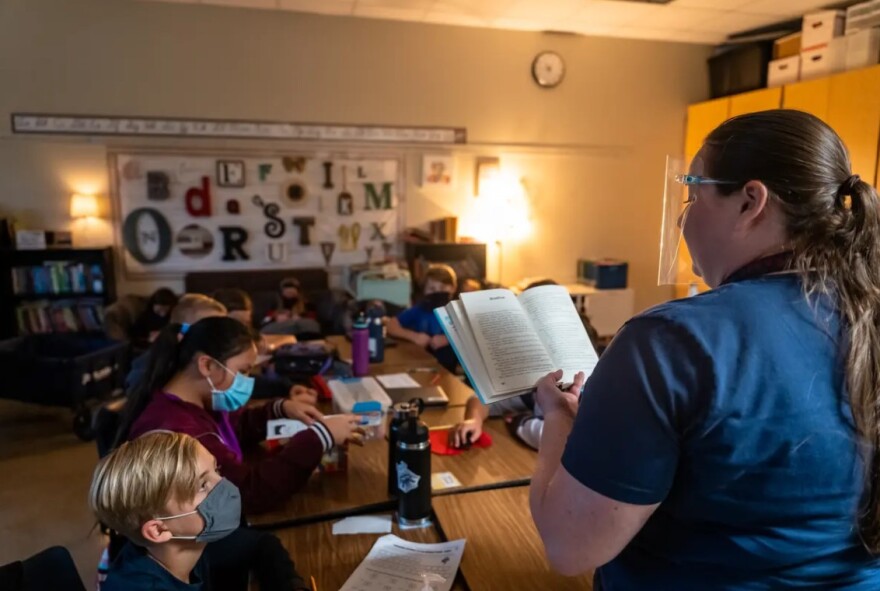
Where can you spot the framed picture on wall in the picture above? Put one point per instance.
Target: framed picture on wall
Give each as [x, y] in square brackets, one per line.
[438, 170]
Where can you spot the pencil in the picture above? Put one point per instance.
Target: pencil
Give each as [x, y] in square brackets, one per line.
[314, 584]
[436, 379]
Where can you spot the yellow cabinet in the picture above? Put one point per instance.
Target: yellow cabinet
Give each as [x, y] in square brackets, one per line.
[702, 118]
[811, 96]
[854, 113]
[758, 100]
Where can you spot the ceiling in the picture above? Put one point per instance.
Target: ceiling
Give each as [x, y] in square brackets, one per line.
[691, 21]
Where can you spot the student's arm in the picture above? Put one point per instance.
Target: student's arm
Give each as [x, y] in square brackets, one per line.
[472, 427]
[267, 482]
[395, 329]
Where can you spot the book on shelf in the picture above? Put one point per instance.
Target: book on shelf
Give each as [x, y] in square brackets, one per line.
[42, 316]
[58, 277]
[506, 343]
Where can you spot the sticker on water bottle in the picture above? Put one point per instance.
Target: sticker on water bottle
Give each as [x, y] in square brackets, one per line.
[407, 480]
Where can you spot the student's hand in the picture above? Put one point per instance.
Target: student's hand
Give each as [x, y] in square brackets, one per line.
[438, 341]
[303, 394]
[422, 340]
[344, 428]
[294, 408]
[551, 399]
[467, 430]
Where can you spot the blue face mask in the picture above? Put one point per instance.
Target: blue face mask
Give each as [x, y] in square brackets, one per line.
[236, 395]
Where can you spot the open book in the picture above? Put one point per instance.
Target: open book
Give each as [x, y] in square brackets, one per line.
[505, 343]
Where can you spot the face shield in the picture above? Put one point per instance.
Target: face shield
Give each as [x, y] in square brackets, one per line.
[680, 192]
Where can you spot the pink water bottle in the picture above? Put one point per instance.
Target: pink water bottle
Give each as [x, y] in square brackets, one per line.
[360, 347]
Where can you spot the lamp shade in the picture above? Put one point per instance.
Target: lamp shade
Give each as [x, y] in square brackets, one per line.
[83, 206]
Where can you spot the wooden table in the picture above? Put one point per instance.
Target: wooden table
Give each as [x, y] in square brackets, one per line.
[503, 550]
[331, 559]
[364, 488]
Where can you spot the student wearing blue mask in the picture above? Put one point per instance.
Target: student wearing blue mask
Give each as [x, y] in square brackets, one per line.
[197, 384]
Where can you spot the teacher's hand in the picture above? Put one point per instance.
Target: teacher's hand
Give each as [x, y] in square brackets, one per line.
[551, 399]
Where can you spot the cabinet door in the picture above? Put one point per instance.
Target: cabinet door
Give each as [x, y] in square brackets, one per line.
[758, 100]
[810, 96]
[702, 118]
[854, 113]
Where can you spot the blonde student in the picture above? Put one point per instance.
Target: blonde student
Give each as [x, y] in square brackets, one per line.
[162, 491]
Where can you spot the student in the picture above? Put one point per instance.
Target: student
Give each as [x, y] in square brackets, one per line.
[527, 422]
[291, 315]
[197, 384]
[190, 308]
[730, 440]
[470, 285]
[155, 316]
[418, 324]
[163, 492]
[238, 304]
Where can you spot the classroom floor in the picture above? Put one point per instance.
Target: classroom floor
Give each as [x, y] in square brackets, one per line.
[44, 482]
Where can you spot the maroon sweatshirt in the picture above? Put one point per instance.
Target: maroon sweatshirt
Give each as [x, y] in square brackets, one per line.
[265, 482]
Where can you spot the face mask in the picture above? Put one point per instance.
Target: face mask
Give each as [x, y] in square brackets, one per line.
[289, 302]
[221, 511]
[435, 300]
[235, 396]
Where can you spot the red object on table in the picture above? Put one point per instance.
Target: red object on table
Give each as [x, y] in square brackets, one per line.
[320, 384]
[440, 442]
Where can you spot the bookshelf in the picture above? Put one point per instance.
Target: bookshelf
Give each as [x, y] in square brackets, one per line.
[56, 290]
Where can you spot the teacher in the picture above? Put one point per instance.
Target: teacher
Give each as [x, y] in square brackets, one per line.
[729, 440]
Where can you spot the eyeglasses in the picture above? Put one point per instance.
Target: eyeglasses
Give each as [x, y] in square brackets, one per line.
[690, 179]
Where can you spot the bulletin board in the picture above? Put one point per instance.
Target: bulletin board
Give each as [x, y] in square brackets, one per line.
[179, 213]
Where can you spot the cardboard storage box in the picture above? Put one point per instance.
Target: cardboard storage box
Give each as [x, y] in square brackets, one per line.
[862, 49]
[824, 61]
[863, 15]
[819, 28]
[787, 46]
[784, 71]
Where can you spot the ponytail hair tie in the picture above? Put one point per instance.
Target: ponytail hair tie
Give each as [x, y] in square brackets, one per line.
[184, 327]
[849, 185]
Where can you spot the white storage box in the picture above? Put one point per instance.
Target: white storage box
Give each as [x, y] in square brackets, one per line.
[784, 71]
[824, 61]
[819, 28]
[863, 15]
[862, 49]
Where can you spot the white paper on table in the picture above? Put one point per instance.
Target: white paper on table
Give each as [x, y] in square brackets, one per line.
[394, 564]
[283, 428]
[363, 524]
[398, 380]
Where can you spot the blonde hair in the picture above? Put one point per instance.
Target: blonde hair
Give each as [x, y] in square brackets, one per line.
[441, 273]
[192, 307]
[135, 482]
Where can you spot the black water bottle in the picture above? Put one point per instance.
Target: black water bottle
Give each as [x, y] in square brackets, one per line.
[399, 414]
[413, 470]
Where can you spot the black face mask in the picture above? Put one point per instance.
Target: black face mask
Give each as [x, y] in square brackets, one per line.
[289, 302]
[435, 300]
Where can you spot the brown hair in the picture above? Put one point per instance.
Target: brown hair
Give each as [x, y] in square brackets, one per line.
[135, 482]
[233, 299]
[441, 273]
[833, 223]
[192, 307]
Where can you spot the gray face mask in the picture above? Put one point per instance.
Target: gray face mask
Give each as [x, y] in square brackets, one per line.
[221, 511]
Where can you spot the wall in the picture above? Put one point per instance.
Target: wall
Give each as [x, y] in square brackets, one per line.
[591, 151]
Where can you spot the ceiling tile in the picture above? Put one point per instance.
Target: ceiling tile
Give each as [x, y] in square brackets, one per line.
[401, 14]
[523, 24]
[544, 11]
[614, 13]
[711, 4]
[671, 17]
[318, 6]
[736, 22]
[244, 3]
[451, 18]
[787, 8]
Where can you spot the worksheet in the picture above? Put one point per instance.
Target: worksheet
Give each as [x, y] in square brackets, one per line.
[394, 564]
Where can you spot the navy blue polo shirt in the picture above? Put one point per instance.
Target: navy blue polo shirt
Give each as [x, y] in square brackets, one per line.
[134, 570]
[730, 410]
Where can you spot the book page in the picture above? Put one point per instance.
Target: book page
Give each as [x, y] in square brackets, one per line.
[512, 352]
[452, 321]
[560, 329]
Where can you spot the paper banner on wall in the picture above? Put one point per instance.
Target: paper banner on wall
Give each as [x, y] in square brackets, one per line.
[183, 220]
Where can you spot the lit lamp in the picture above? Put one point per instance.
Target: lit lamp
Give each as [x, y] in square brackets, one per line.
[83, 206]
[501, 211]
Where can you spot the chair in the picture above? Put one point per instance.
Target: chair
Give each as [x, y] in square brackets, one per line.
[106, 424]
[50, 570]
